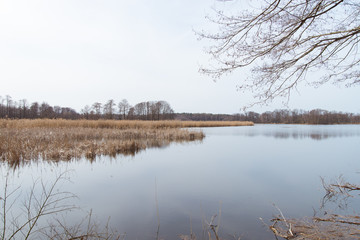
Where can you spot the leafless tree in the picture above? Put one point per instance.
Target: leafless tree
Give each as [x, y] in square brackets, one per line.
[57, 111]
[23, 108]
[34, 110]
[282, 41]
[9, 103]
[46, 111]
[109, 109]
[140, 110]
[165, 110]
[97, 108]
[124, 107]
[86, 111]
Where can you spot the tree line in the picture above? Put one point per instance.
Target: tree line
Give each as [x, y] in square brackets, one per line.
[161, 110]
[150, 110]
[284, 116]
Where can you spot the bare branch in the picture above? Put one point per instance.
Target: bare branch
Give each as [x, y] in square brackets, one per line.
[283, 40]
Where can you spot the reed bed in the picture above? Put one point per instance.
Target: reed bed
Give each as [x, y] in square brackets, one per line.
[49, 143]
[59, 139]
[115, 124]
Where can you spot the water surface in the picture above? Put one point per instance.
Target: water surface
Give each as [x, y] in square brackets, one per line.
[240, 171]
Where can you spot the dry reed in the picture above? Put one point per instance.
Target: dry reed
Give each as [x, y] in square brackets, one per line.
[115, 124]
[59, 139]
[24, 140]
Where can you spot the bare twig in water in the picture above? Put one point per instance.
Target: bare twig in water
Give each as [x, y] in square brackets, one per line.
[333, 226]
[45, 201]
[213, 227]
[157, 211]
[338, 192]
[87, 229]
[49, 201]
[288, 226]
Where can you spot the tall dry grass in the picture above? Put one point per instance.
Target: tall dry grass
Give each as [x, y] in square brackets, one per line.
[58, 139]
[115, 124]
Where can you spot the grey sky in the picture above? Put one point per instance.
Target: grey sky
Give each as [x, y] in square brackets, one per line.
[77, 52]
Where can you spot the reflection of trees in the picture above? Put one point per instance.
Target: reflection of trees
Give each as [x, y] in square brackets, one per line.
[298, 134]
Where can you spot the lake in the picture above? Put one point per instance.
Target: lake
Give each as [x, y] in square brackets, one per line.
[237, 173]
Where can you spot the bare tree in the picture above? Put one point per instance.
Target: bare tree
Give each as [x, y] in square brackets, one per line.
[165, 110]
[34, 110]
[140, 110]
[97, 108]
[281, 41]
[124, 107]
[57, 111]
[23, 108]
[9, 104]
[109, 109]
[86, 111]
[46, 111]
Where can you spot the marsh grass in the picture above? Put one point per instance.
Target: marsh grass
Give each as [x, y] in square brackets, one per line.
[25, 140]
[115, 124]
[59, 139]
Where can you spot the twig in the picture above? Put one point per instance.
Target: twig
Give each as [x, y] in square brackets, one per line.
[157, 211]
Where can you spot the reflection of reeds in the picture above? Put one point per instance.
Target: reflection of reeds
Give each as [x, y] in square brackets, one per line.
[64, 140]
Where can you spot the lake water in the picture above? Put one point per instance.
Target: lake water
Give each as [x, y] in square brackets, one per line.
[239, 171]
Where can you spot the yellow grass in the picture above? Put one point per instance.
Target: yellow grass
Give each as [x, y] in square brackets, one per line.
[24, 140]
[116, 124]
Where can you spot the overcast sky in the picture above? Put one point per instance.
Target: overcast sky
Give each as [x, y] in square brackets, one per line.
[76, 52]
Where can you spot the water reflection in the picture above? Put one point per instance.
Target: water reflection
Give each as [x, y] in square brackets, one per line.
[314, 132]
[245, 168]
[134, 147]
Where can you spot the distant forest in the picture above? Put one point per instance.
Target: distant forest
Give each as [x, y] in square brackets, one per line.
[151, 110]
[285, 116]
[161, 110]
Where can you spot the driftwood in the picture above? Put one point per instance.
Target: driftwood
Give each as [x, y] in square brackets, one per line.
[332, 226]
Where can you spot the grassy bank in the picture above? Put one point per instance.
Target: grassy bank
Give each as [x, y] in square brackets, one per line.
[115, 124]
[23, 140]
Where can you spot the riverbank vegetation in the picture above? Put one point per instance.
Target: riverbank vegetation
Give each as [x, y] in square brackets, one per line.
[161, 110]
[282, 116]
[50, 139]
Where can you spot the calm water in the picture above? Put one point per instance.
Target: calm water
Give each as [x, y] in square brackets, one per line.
[241, 171]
